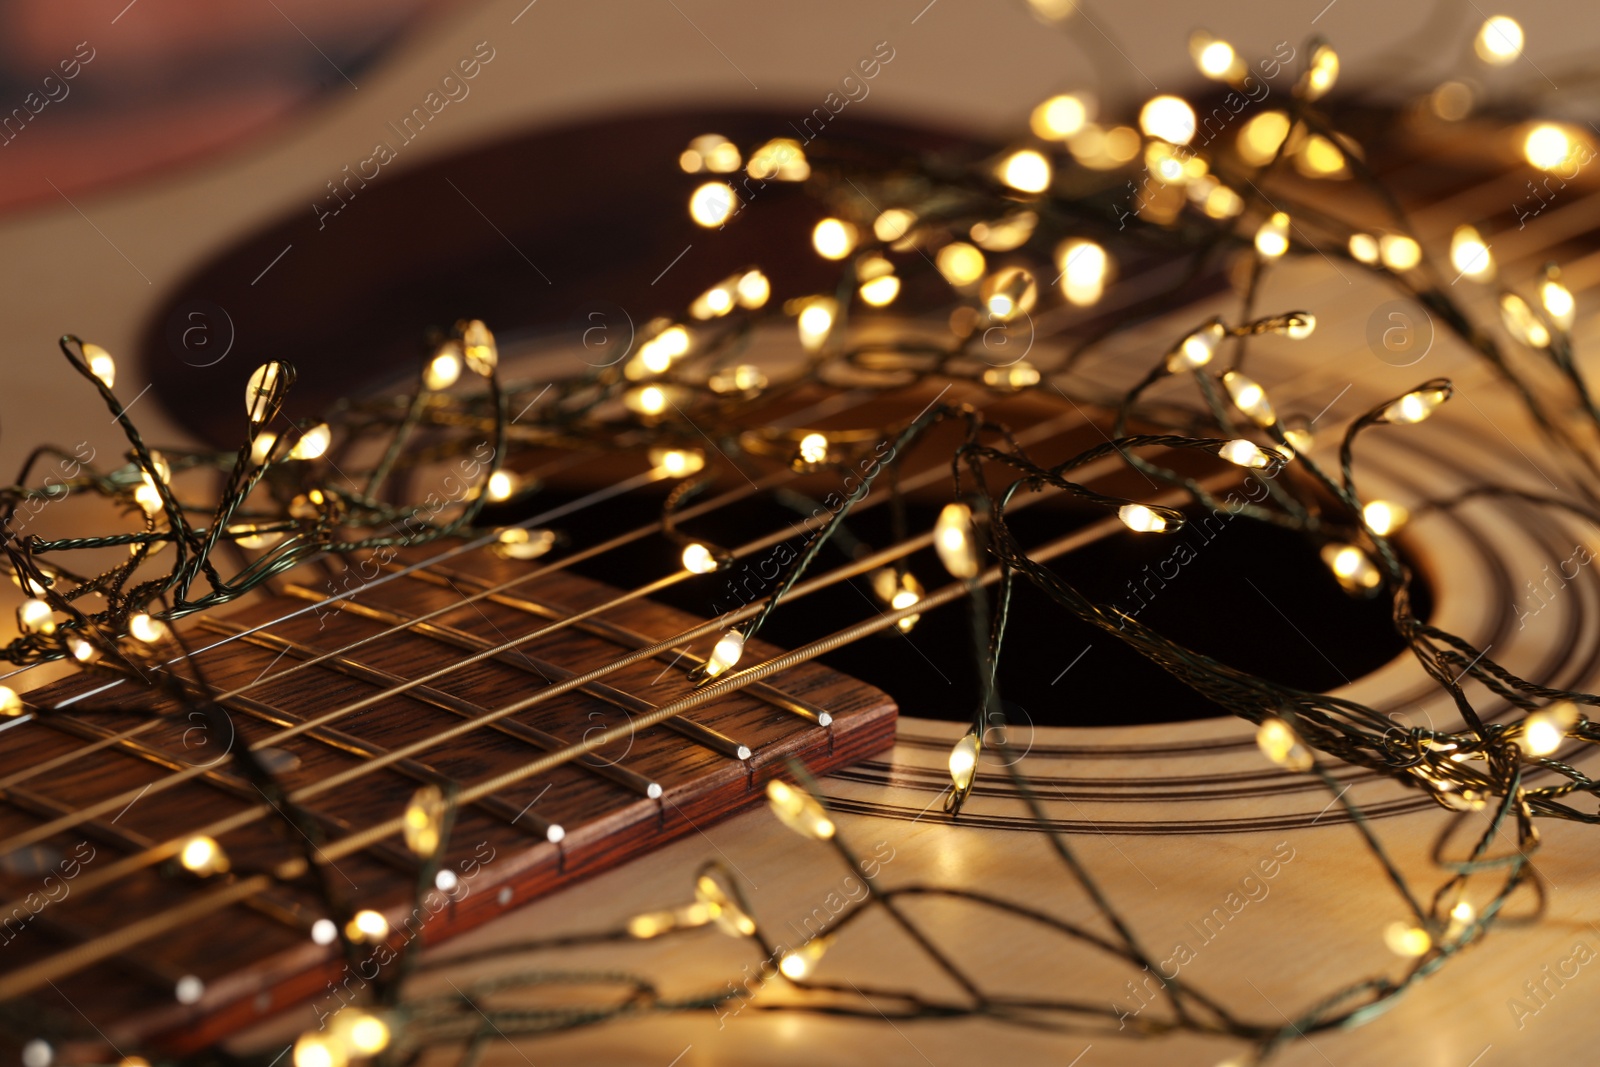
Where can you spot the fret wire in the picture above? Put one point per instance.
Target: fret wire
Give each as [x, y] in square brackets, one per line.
[521, 660]
[749, 611]
[616, 775]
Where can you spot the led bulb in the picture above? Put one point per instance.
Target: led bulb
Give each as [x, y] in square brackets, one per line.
[799, 810]
[423, 822]
[264, 392]
[799, 964]
[964, 762]
[101, 365]
[1364, 248]
[1298, 325]
[367, 925]
[1355, 572]
[1142, 519]
[1249, 398]
[711, 204]
[1084, 266]
[722, 908]
[261, 447]
[1244, 453]
[1558, 303]
[752, 289]
[478, 348]
[367, 1034]
[1499, 40]
[443, 370]
[314, 1049]
[203, 856]
[907, 594]
[781, 159]
[1059, 117]
[1521, 322]
[816, 322]
[324, 932]
[880, 291]
[813, 449]
[1384, 518]
[36, 617]
[11, 705]
[1215, 58]
[147, 630]
[677, 462]
[698, 559]
[1542, 733]
[502, 486]
[1280, 744]
[313, 443]
[724, 654]
[1026, 171]
[1320, 74]
[1547, 146]
[1197, 349]
[1272, 239]
[954, 539]
[1470, 255]
[1019, 375]
[1415, 406]
[834, 238]
[1407, 940]
[893, 224]
[960, 263]
[649, 400]
[1399, 252]
[1168, 118]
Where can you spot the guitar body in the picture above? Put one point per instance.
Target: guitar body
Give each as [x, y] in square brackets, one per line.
[1252, 882]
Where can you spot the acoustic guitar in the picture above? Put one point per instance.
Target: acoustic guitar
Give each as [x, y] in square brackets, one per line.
[360, 681]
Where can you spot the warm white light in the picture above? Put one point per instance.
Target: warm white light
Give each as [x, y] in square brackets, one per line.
[1059, 117]
[1141, 519]
[799, 810]
[650, 400]
[960, 263]
[816, 322]
[443, 370]
[1026, 171]
[368, 1035]
[101, 365]
[1198, 348]
[313, 443]
[319, 1050]
[677, 462]
[1398, 251]
[712, 204]
[781, 159]
[1521, 322]
[366, 925]
[1244, 453]
[1470, 255]
[725, 653]
[1019, 375]
[1383, 517]
[1351, 567]
[1364, 248]
[698, 559]
[1262, 137]
[203, 856]
[1499, 40]
[1415, 406]
[834, 238]
[517, 542]
[478, 348]
[954, 541]
[10, 704]
[1084, 266]
[422, 823]
[1541, 735]
[1272, 239]
[1279, 743]
[324, 932]
[1216, 59]
[964, 762]
[1406, 940]
[146, 629]
[813, 449]
[1248, 396]
[1558, 303]
[1168, 118]
[148, 497]
[752, 289]
[502, 484]
[880, 291]
[36, 617]
[893, 224]
[800, 963]
[1320, 75]
[1547, 146]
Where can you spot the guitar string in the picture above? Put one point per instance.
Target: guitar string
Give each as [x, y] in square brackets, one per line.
[117, 941]
[129, 864]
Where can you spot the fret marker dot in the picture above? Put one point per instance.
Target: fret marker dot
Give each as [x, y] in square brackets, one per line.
[555, 833]
[324, 932]
[504, 896]
[189, 989]
[37, 1053]
[445, 881]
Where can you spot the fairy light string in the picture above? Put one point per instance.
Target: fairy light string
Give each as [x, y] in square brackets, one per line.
[991, 230]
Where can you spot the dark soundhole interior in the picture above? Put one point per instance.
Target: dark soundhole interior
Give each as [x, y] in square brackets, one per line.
[1254, 596]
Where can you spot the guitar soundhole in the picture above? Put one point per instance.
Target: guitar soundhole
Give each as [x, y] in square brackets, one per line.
[1255, 596]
